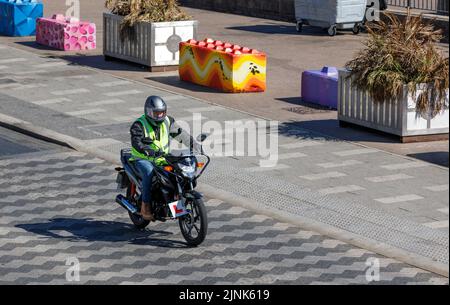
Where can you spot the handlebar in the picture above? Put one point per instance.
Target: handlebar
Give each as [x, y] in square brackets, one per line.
[174, 159]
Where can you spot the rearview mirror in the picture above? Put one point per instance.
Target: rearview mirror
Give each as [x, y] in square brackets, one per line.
[202, 137]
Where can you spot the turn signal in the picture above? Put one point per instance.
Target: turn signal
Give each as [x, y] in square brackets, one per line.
[200, 164]
[168, 168]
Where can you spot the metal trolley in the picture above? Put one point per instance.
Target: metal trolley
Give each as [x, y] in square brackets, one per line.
[331, 14]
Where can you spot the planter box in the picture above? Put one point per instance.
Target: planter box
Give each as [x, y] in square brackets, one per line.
[398, 118]
[321, 87]
[19, 18]
[223, 66]
[66, 33]
[155, 44]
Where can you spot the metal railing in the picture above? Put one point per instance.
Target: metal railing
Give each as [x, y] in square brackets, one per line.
[436, 6]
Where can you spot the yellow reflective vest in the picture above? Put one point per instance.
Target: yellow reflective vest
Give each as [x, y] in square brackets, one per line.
[157, 145]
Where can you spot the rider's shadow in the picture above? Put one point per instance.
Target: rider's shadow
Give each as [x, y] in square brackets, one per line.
[90, 230]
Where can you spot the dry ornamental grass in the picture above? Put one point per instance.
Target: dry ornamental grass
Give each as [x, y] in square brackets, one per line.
[398, 53]
[135, 11]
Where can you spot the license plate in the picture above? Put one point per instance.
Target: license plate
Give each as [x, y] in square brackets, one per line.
[121, 181]
[178, 209]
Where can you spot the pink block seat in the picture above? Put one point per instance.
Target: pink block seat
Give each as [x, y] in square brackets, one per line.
[66, 33]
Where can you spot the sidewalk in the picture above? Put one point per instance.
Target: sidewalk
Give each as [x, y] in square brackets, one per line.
[289, 54]
[394, 205]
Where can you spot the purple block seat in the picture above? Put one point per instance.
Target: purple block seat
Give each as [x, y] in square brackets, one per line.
[321, 87]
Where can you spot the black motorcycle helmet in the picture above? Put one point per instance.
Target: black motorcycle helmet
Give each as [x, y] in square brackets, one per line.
[155, 109]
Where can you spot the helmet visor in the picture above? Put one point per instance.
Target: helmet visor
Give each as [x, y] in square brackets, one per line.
[159, 115]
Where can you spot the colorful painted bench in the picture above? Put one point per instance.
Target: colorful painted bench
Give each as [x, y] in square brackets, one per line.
[223, 66]
[321, 87]
[18, 17]
[66, 33]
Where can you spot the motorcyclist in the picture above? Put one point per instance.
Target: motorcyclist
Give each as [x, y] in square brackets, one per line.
[150, 140]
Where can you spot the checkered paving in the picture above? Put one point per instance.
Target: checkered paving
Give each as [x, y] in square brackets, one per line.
[100, 108]
[56, 206]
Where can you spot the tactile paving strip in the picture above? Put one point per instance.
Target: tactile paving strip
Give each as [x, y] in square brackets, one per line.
[351, 216]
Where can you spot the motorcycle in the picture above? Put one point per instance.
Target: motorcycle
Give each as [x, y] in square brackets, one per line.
[173, 192]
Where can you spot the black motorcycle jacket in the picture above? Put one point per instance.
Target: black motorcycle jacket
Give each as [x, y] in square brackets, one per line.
[138, 134]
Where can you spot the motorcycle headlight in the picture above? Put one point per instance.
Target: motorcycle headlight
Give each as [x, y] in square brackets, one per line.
[188, 169]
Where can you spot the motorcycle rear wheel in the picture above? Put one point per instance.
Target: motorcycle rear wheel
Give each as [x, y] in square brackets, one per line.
[194, 226]
[139, 222]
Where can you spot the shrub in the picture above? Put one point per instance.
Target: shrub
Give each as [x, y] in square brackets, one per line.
[135, 11]
[398, 53]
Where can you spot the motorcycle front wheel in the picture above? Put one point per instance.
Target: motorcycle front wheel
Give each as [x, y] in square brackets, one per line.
[194, 226]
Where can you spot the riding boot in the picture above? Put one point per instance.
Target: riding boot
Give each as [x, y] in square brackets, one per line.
[146, 212]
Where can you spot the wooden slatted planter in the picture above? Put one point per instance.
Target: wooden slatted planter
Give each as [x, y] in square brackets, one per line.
[155, 44]
[396, 117]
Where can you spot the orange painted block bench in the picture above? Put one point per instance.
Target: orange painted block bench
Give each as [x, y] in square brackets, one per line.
[223, 66]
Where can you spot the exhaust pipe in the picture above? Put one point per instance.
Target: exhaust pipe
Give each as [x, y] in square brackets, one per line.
[123, 202]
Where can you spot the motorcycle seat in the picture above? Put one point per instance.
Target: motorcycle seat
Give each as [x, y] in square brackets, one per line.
[125, 156]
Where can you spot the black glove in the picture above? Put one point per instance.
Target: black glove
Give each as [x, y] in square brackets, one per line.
[155, 154]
